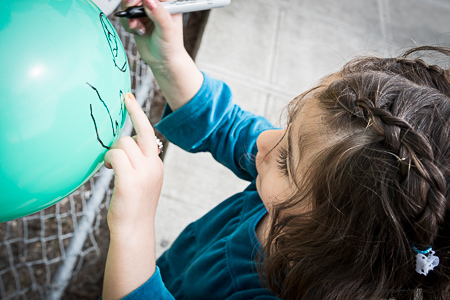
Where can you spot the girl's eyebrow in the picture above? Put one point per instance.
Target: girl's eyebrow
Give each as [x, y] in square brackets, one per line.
[289, 144]
[288, 133]
[294, 143]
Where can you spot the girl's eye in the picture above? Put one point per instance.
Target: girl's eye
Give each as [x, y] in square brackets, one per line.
[282, 161]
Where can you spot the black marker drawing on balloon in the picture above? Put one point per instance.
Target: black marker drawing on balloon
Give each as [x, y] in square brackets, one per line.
[118, 54]
[115, 125]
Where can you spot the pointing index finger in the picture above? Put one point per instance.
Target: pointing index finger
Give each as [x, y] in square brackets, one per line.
[144, 131]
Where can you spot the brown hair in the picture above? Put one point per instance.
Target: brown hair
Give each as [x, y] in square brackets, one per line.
[381, 187]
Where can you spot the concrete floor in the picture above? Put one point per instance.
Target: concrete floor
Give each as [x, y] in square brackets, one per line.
[271, 51]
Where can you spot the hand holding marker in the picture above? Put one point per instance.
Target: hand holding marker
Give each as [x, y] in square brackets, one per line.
[175, 7]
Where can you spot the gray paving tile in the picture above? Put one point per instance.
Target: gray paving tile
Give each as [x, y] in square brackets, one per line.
[248, 98]
[419, 22]
[247, 95]
[361, 15]
[309, 49]
[241, 30]
[276, 110]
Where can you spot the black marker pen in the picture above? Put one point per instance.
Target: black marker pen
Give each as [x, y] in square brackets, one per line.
[174, 7]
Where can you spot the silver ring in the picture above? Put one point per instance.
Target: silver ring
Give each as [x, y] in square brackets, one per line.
[159, 144]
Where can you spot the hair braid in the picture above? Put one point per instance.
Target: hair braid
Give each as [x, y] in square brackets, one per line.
[423, 184]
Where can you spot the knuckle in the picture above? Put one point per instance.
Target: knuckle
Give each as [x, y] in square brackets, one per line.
[115, 154]
[125, 142]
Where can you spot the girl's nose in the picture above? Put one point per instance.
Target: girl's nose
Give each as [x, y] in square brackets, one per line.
[268, 139]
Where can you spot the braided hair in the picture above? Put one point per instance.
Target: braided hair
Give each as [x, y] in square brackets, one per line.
[381, 187]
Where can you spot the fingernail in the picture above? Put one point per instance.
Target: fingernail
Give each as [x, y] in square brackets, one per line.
[151, 4]
[141, 31]
[131, 1]
[130, 96]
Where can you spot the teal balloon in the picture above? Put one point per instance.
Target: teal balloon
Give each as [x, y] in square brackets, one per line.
[63, 77]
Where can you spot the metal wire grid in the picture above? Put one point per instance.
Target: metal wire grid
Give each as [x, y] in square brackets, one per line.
[40, 253]
[33, 246]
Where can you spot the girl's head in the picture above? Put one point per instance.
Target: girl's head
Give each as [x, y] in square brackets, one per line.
[369, 181]
[281, 149]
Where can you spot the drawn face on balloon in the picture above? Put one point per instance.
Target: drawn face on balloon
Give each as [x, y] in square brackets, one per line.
[100, 109]
[119, 56]
[103, 109]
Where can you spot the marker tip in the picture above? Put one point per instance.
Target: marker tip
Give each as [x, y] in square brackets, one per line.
[121, 13]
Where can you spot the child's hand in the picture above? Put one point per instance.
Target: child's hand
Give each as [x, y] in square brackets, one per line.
[159, 37]
[138, 174]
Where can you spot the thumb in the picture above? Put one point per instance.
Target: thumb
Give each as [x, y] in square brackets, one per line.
[158, 14]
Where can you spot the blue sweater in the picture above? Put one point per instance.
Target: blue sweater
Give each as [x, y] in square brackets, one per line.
[216, 256]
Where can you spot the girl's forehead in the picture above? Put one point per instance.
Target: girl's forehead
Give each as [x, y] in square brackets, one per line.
[309, 132]
[309, 115]
[297, 104]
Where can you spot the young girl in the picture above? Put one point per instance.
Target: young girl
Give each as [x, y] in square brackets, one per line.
[350, 201]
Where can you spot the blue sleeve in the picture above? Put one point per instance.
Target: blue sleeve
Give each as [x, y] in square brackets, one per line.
[153, 288]
[211, 122]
